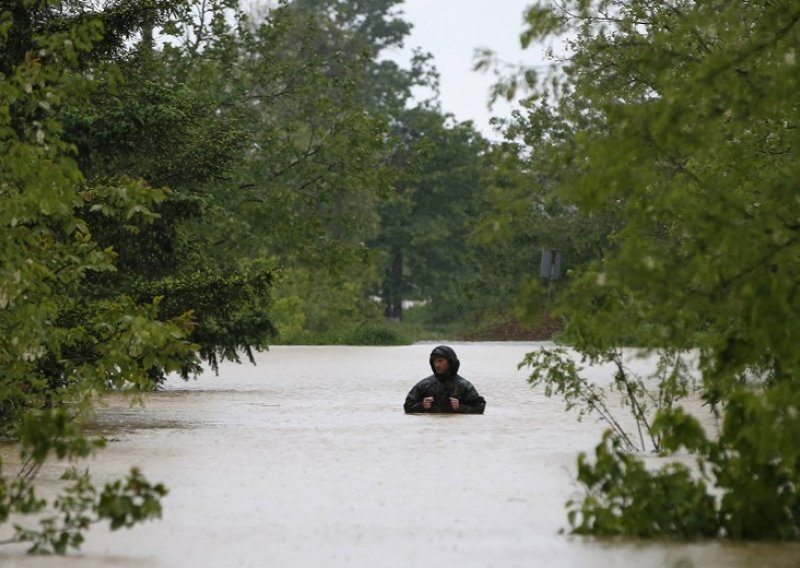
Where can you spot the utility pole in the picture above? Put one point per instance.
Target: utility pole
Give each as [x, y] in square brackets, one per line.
[550, 270]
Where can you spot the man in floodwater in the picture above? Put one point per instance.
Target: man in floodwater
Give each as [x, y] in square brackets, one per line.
[445, 391]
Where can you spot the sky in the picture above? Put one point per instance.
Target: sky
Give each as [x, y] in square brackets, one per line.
[451, 30]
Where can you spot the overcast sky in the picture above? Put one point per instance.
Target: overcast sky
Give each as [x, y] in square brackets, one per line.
[451, 30]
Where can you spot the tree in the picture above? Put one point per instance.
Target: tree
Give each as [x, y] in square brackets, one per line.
[47, 386]
[272, 163]
[694, 115]
[524, 214]
[157, 122]
[427, 223]
[321, 108]
[309, 185]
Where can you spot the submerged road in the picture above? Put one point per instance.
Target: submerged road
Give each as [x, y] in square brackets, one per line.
[307, 460]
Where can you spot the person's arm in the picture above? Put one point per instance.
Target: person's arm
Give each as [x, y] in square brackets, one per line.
[471, 402]
[413, 402]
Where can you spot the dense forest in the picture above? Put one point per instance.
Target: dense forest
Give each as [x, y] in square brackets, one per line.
[184, 183]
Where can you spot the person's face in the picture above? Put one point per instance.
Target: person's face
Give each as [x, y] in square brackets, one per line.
[441, 364]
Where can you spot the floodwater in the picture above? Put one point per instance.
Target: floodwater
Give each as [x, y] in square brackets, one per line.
[307, 460]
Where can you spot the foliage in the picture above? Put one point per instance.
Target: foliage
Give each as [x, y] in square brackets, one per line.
[122, 503]
[524, 213]
[685, 128]
[364, 30]
[383, 333]
[644, 397]
[154, 123]
[693, 166]
[150, 193]
[313, 307]
[624, 497]
[307, 188]
[416, 156]
[48, 325]
[426, 223]
[752, 466]
[305, 193]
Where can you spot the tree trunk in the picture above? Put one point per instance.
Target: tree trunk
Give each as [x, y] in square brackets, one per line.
[393, 295]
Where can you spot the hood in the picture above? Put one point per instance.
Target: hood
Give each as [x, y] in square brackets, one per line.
[450, 355]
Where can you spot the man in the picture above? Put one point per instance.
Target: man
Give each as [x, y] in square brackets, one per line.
[445, 390]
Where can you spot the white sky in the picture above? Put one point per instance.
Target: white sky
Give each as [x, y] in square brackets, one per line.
[451, 30]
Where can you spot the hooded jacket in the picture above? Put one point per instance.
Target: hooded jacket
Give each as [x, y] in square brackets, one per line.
[442, 387]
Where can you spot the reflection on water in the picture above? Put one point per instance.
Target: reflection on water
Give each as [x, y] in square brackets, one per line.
[308, 460]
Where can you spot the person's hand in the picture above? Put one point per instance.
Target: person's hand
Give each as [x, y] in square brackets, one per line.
[427, 402]
[454, 403]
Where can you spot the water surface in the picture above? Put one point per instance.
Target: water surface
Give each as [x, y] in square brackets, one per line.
[307, 460]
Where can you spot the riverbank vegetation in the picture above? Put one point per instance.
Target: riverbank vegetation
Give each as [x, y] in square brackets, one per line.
[183, 183]
[677, 122]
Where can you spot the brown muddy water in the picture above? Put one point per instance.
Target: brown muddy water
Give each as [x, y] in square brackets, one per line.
[307, 460]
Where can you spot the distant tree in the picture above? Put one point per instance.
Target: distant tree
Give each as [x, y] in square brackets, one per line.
[306, 192]
[524, 214]
[427, 222]
[320, 107]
